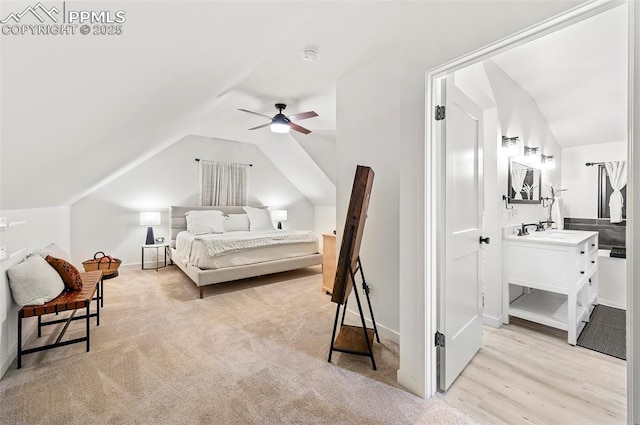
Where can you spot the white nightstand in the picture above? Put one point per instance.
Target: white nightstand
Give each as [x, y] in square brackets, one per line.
[157, 246]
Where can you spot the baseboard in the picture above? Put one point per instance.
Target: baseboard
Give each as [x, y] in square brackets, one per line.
[151, 265]
[12, 353]
[611, 304]
[492, 321]
[410, 383]
[384, 332]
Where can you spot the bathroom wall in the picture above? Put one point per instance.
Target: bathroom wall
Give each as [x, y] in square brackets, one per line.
[520, 116]
[581, 209]
[581, 198]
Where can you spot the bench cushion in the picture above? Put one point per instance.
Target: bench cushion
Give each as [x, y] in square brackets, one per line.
[68, 300]
[34, 281]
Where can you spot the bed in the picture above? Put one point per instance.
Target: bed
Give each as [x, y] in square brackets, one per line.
[238, 254]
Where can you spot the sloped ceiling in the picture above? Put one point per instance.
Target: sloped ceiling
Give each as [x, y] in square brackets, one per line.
[578, 78]
[79, 110]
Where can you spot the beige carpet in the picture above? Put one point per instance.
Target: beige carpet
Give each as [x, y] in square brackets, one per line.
[250, 352]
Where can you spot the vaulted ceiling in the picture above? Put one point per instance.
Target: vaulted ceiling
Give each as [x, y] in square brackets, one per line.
[578, 78]
[79, 110]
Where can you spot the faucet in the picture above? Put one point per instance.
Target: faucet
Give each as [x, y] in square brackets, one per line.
[542, 223]
[523, 230]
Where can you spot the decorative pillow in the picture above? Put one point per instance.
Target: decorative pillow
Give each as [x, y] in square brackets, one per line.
[201, 222]
[69, 274]
[259, 218]
[34, 282]
[236, 223]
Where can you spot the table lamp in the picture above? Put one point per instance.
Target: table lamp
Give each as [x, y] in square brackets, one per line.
[279, 216]
[150, 219]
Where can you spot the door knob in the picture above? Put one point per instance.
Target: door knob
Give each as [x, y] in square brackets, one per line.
[485, 239]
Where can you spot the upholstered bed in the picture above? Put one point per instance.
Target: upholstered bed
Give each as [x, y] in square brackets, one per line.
[252, 253]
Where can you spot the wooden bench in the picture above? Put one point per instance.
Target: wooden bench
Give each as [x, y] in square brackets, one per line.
[67, 301]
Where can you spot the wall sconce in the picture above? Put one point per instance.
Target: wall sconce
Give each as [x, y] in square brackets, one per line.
[510, 144]
[531, 152]
[548, 161]
[279, 216]
[532, 155]
[150, 219]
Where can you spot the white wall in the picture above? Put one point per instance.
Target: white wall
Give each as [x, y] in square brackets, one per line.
[43, 226]
[324, 221]
[581, 198]
[379, 251]
[520, 116]
[108, 219]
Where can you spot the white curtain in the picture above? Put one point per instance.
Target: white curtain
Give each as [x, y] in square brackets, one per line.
[222, 183]
[517, 180]
[617, 171]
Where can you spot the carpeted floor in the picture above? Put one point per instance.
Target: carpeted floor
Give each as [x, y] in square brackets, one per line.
[251, 352]
[606, 332]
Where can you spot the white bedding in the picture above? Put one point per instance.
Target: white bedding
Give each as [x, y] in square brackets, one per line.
[261, 246]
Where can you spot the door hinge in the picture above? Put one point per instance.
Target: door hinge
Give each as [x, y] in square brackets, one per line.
[439, 113]
[439, 339]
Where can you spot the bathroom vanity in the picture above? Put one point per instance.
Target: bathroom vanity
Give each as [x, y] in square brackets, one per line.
[551, 277]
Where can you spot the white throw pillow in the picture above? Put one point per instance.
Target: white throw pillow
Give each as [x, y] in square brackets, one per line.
[34, 281]
[236, 223]
[201, 222]
[259, 218]
[54, 250]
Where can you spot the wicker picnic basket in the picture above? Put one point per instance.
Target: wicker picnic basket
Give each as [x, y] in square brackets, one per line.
[106, 263]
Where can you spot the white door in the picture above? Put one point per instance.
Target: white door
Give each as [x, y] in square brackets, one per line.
[460, 284]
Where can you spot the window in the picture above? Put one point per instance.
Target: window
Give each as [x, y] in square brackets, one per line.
[604, 193]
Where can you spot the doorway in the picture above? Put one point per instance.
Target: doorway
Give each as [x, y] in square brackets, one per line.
[434, 150]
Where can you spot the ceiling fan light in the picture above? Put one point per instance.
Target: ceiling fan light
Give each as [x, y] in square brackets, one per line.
[280, 125]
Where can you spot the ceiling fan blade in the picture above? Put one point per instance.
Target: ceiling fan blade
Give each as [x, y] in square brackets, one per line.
[302, 130]
[261, 126]
[302, 116]
[254, 113]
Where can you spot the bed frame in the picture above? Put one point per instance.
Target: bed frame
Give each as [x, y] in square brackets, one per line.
[202, 278]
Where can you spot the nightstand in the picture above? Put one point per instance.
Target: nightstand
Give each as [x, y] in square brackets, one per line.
[157, 247]
[328, 262]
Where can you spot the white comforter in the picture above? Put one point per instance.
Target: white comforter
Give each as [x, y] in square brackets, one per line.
[240, 248]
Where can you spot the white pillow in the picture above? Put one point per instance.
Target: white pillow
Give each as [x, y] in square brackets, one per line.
[236, 223]
[201, 222]
[55, 251]
[259, 218]
[34, 281]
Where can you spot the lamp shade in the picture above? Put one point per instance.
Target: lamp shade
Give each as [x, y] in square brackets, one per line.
[149, 218]
[279, 215]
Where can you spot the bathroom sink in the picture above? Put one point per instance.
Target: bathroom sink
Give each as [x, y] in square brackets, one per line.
[551, 234]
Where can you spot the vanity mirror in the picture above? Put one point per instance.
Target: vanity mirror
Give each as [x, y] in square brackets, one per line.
[523, 184]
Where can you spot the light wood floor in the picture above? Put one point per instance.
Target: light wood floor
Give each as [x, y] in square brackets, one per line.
[527, 374]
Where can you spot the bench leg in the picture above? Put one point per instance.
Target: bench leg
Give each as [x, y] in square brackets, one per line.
[39, 326]
[88, 327]
[97, 310]
[19, 340]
